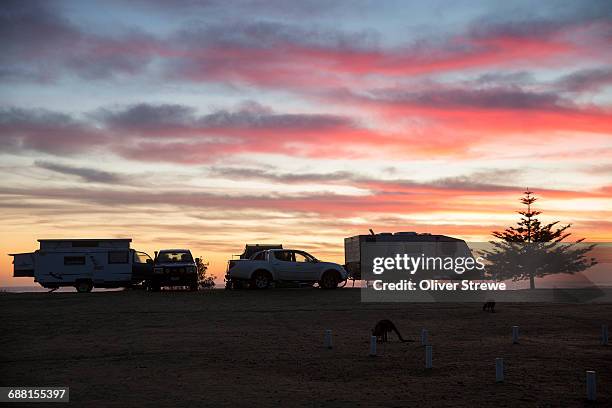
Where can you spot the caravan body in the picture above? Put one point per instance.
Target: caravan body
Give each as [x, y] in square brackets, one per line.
[83, 263]
[432, 245]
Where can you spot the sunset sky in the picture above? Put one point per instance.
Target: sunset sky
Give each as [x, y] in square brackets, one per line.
[211, 124]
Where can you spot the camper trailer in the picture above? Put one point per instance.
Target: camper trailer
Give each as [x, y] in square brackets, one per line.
[84, 264]
[431, 245]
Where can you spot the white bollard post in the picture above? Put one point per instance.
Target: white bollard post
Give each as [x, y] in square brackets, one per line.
[428, 362]
[373, 346]
[424, 337]
[515, 334]
[591, 383]
[604, 334]
[499, 369]
[328, 339]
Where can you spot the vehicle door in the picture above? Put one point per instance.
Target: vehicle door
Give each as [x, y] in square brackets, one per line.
[284, 264]
[142, 266]
[306, 266]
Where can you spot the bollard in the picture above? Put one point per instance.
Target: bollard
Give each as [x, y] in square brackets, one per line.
[328, 339]
[428, 362]
[499, 369]
[604, 334]
[515, 334]
[373, 346]
[591, 383]
[424, 337]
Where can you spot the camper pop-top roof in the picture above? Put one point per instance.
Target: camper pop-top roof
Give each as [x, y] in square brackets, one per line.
[50, 244]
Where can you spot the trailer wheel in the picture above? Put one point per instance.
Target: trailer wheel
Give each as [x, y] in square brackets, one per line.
[329, 280]
[260, 280]
[84, 286]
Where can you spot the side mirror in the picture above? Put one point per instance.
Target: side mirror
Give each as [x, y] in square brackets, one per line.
[198, 260]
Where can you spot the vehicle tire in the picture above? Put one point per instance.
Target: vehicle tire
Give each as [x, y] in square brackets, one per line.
[329, 280]
[84, 286]
[153, 286]
[238, 285]
[260, 280]
[193, 287]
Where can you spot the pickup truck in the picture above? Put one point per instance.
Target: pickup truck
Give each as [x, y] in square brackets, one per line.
[283, 265]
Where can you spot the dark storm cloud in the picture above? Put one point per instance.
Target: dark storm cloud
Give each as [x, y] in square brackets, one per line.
[85, 173]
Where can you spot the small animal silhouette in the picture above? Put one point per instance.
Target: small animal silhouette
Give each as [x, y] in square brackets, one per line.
[490, 305]
[383, 328]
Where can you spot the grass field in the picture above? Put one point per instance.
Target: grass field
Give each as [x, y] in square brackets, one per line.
[252, 348]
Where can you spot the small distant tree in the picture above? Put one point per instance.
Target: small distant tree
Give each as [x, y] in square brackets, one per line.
[204, 281]
[532, 249]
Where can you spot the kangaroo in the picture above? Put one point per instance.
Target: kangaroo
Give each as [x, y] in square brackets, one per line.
[490, 305]
[383, 328]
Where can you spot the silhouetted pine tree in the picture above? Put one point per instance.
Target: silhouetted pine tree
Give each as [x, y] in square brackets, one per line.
[532, 249]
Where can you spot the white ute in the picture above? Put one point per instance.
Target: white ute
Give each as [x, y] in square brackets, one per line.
[277, 265]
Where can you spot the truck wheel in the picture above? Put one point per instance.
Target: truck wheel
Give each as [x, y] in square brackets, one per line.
[153, 286]
[260, 280]
[237, 285]
[84, 286]
[329, 280]
[193, 287]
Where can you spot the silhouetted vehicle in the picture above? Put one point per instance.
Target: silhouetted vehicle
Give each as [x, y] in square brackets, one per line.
[283, 265]
[173, 267]
[84, 264]
[432, 245]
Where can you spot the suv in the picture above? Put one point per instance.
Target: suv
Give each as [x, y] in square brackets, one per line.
[174, 267]
[283, 265]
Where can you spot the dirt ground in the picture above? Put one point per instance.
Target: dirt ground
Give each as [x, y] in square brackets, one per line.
[249, 348]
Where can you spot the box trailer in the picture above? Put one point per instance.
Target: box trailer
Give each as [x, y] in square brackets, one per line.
[84, 264]
[434, 245]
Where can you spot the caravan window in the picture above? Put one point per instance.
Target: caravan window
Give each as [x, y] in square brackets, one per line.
[118, 257]
[74, 260]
